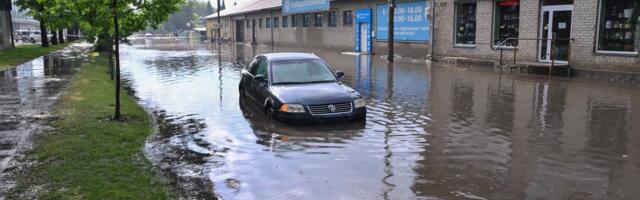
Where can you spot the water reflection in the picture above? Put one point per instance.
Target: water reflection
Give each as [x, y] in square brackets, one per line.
[432, 131]
[27, 91]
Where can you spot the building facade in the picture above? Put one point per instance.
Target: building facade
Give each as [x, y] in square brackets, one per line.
[336, 29]
[587, 35]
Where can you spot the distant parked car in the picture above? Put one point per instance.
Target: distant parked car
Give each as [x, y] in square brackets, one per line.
[298, 87]
[148, 35]
[27, 36]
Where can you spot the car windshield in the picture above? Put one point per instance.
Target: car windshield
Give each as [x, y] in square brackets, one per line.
[301, 71]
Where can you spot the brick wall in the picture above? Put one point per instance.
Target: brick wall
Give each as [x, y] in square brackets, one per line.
[583, 30]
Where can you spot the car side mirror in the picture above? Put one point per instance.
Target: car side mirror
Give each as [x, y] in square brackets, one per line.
[260, 78]
[339, 74]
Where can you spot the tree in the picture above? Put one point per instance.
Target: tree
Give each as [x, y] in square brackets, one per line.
[210, 9]
[37, 11]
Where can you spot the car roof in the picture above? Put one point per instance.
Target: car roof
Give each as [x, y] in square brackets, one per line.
[289, 56]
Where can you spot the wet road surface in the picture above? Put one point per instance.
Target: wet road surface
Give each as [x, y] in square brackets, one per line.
[26, 94]
[433, 131]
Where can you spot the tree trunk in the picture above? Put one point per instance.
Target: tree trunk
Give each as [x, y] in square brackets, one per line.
[116, 115]
[43, 34]
[110, 55]
[61, 36]
[54, 38]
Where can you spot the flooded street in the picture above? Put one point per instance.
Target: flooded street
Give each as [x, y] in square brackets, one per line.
[26, 95]
[433, 131]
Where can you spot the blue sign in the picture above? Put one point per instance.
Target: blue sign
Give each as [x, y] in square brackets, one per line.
[363, 20]
[410, 21]
[363, 15]
[304, 6]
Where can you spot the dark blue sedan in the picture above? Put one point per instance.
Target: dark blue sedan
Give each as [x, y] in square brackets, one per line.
[299, 87]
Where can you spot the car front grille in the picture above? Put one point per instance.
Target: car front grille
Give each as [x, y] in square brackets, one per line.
[325, 109]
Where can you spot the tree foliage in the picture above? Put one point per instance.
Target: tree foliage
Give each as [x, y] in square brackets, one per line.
[96, 16]
[190, 15]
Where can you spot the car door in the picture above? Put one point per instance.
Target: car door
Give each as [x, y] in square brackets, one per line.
[247, 78]
[260, 88]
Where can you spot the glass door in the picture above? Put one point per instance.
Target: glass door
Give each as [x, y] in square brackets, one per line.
[555, 24]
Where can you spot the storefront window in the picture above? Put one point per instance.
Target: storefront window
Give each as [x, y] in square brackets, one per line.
[318, 19]
[333, 19]
[465, 24]
[618, 26]
[305, 20]
[276, 22]
[285, 21]
[295, 19]
[347, 18]
[506, 24]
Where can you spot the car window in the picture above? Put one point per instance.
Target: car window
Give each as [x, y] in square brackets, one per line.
[262, 68]
[253, 67]
[301, 71]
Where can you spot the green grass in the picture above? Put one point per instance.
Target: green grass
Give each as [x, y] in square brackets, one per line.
[11, 57]
[90, 156]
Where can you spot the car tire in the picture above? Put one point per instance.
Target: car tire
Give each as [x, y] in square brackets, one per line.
[33, 41]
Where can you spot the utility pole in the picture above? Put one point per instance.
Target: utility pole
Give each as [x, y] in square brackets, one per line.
[219, 25]
[392, 8]
[116, 115]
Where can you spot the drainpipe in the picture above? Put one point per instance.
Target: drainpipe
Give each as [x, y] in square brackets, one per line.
[433, 27]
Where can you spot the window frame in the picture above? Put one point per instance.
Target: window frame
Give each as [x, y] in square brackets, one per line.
[295, 20]
[267, 22]
[285, 21]
[456, 6]
[596, 50]
[332, 19]
[306, 18]
[317, 19]
[495, 31]
[346, 22]
[276, 22]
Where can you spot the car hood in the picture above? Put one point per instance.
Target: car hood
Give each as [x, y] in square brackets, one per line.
[314, 94]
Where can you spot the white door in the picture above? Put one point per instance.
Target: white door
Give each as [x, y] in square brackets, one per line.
[555, 23]
[363, 38]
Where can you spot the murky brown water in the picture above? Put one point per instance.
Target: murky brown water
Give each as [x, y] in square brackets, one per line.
[432, 132]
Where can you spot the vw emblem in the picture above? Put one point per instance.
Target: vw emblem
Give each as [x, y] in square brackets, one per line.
[332, 108]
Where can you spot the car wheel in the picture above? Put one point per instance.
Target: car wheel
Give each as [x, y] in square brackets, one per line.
[33, 41]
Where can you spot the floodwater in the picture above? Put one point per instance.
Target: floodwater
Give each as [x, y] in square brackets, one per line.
[26, 94]
[433, 131]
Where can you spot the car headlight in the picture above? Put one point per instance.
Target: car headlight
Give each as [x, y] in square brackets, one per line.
[292, 108]
[359, 103]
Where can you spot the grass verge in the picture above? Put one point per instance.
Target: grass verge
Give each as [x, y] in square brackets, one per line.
[88, 155]
[11, 57]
